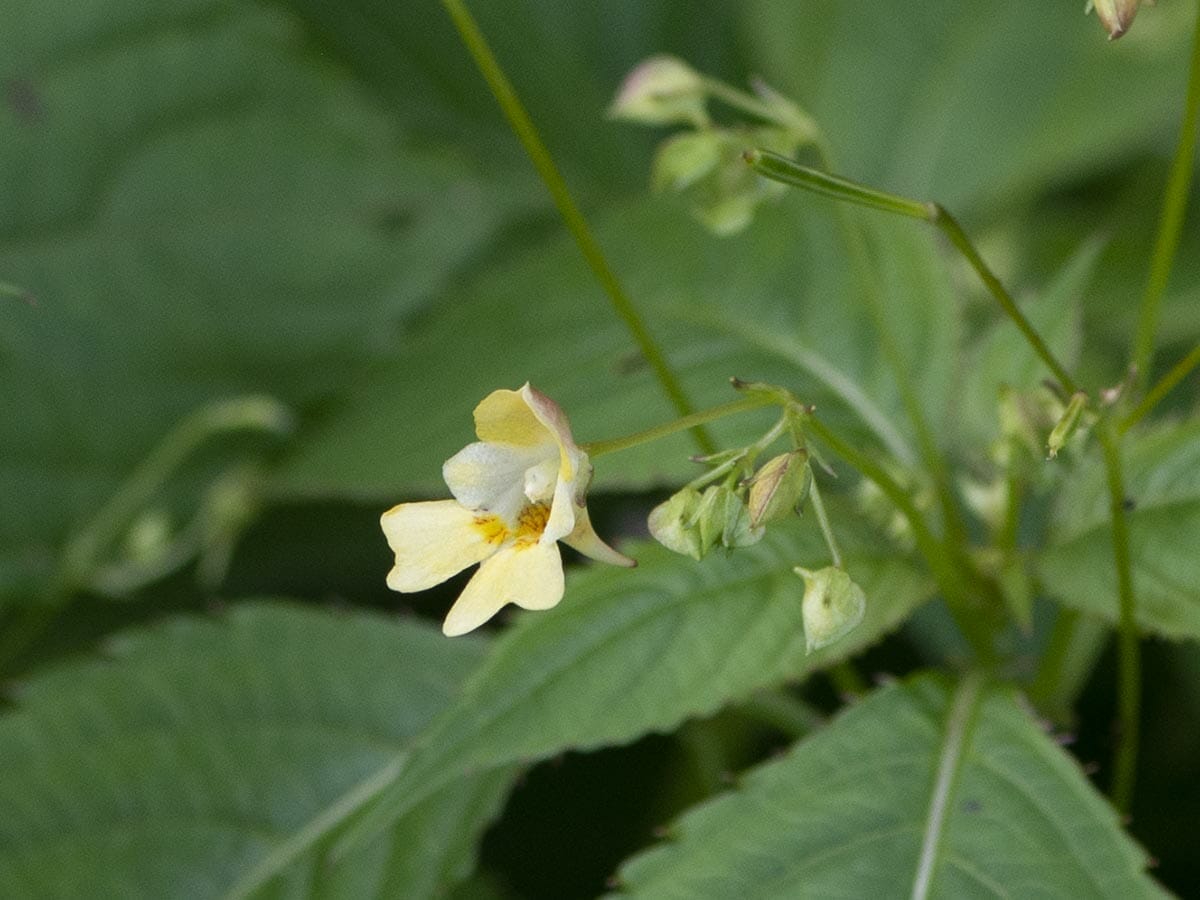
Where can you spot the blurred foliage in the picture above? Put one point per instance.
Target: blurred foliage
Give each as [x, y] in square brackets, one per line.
[319, 204]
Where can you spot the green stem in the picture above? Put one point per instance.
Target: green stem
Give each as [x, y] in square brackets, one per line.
[1069, 657]
[658, 432]
[814, 494]
[1170, 225]
[1166, 384]
[779, 168]
[1129, 676]
[956, 591]
[949, 226]
[525, 130]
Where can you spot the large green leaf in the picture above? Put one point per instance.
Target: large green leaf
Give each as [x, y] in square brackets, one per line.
[920, 790]
[974, 103]
[201, 209]
[205, 757]
[777, 304]
[1162, 481]
[635, 652]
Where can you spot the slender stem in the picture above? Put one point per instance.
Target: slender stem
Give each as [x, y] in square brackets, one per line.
[814, 494]
[1070, 654]
[949, 577]
[658, 432]
[1129, 675]
[779, 168]
[949, 226]
[1053, 661]
[525, 130]
[1165, 385]
[1170, 225]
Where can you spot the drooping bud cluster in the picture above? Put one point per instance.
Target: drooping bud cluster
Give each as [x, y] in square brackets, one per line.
[705, 164]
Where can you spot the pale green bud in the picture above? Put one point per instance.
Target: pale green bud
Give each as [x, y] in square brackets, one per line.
[673, 523]
[685, 159]
[833, 605]
[662, 90]
[1067, 424]
[779, 487]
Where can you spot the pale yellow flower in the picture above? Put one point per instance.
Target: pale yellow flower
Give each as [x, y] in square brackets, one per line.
[517, 492]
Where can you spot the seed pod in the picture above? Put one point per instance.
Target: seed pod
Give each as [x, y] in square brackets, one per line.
[673, 523]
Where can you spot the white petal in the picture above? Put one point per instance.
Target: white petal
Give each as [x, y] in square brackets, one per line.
[433, 541]
[562, 513]
[529, 575]
[586, 541]
[554, 420]
[491, 477]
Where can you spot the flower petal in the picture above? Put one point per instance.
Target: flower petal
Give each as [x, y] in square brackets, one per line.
[586, 541]
[529, 575]
[491, 477]
[562, 513]
[551, 416]
[508, 417]
[433, 541]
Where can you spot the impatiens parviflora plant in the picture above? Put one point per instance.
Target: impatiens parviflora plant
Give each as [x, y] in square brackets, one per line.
[703, 164]
[522, 488]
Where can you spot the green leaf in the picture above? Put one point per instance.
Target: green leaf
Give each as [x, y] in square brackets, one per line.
[920, 790]
[1162, 481]
[207, 757]
[973, 103]
[201, 210]
[777, 304]
[641, 651]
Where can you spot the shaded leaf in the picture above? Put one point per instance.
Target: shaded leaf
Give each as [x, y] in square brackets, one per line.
[1162, 482]
[207, 757]
[917, 791]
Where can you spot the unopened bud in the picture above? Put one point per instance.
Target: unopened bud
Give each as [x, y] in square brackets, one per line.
[1067, 424]
[686, 158]
[662, 90]
[1115, 15]
[779, 487]
[673, 523]
[833, 605]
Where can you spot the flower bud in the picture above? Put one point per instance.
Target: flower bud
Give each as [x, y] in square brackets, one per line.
[1115, 15]
[686, 158]
[673, 523]
[833, 605]
[662, 90]
[779, 487]
[1067, 424]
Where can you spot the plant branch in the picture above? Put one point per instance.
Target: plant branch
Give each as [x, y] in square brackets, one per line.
[525, 130]
[1165, 385]
[658, 432]
[1170, 225]
[1129, 675]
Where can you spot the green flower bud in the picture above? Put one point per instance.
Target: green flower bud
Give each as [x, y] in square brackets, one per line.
[779, 487]
[662, 90]
[1067, 424]
[673, 523]
[833, 605]
[686, 158]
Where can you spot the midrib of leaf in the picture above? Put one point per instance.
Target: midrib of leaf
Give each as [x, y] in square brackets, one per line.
[277, 861]
[954, 746]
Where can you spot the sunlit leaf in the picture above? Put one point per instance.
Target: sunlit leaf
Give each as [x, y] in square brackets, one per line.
[643, 650]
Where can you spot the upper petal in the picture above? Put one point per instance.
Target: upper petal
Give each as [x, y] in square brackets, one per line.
[529, 575]
[433, 541]
[508, 417]
[485, 476]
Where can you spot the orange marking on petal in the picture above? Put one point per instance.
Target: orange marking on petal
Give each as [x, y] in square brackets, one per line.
[532, 522]
[492, 528]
